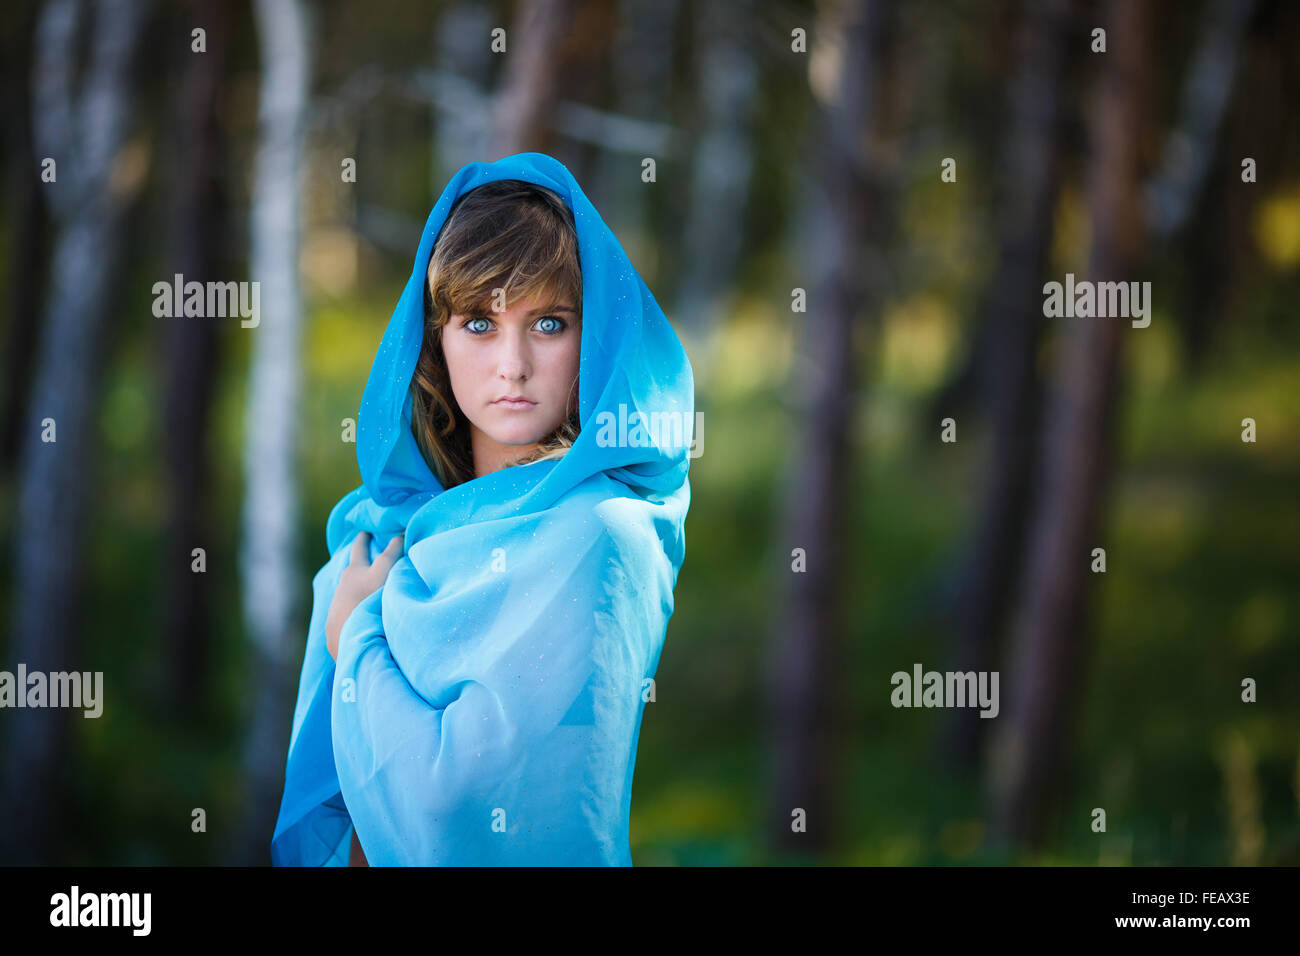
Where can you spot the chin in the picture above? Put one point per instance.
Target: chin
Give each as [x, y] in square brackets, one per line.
[519, 437]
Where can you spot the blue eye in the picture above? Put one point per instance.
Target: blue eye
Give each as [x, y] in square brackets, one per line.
[554, 325]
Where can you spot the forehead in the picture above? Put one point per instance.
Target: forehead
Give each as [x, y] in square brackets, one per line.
[532, 305]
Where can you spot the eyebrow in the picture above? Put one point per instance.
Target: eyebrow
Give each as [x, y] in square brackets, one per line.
[488, 311]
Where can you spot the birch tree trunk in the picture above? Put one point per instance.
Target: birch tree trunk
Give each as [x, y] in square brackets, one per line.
[720, 174]
[270, 572]
[459, 135]
[643, 46]
[1187, 205]
[83, 131]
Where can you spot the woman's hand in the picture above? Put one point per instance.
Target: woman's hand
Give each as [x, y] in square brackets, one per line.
[359, 580]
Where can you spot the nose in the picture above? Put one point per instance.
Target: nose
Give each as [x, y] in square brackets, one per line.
[513, 363]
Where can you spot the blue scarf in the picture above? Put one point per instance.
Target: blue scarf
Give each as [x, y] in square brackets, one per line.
[487, 700]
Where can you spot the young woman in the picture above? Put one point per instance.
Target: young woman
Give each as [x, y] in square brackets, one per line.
[485, 634]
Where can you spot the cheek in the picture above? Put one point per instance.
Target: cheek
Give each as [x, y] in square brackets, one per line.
[460, 368]
[566, 364]
[562, 369]
[562, 383]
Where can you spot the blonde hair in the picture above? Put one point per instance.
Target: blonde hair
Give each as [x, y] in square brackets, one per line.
[507, 234]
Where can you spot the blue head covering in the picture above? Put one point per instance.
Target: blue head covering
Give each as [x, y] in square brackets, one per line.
[487, 700]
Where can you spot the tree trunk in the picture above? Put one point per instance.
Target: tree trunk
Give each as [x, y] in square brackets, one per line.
[642, 49]
[844, 278]
[1049, 650]
[521, 121]
[1186, 204]
[271, 574]
[83, 132]
[189, 364]
[1012, 313]
[459, 135]
[27, 258]
[720, 174]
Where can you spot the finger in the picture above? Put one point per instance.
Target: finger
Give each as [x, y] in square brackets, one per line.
[390, 554]
[360, 551]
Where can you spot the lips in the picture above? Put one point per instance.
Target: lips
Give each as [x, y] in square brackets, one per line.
[517, 402]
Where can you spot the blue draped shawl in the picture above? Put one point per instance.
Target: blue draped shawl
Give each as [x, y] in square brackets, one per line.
[487, 700]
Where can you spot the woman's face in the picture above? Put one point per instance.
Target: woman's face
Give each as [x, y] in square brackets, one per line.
[526, 353]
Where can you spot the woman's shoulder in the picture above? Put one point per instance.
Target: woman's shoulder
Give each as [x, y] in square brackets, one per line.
[620, 525]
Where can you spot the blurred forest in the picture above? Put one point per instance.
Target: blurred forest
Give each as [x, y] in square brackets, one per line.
[854, 209]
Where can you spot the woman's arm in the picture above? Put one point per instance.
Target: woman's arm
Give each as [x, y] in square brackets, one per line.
[359, 580]
[520, 752]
